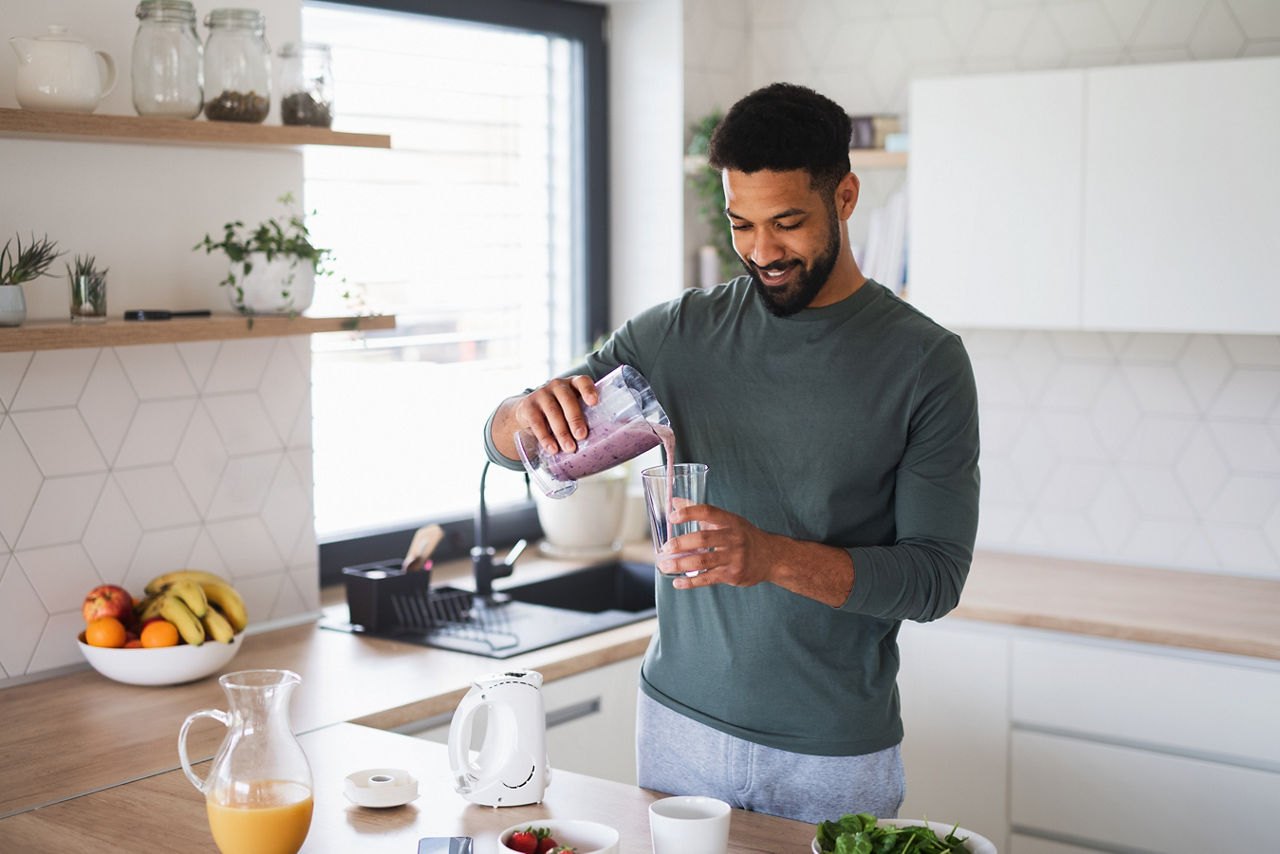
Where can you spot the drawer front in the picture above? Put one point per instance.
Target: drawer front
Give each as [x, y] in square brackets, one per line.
[1022, 844]
[1214, 708]
[1139, 800]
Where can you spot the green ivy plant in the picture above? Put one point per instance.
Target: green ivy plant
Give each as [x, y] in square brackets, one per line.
[706, 183]
[287, 237]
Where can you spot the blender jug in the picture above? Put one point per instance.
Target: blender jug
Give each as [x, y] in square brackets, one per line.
[258, 789]
[626, 421]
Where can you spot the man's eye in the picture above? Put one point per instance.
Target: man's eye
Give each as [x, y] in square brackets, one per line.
[791, 227]
[733, 226]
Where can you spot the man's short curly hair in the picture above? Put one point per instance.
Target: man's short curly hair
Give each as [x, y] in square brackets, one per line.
[782, 127]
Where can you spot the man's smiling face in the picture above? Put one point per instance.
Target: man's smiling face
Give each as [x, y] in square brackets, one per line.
[787, 235]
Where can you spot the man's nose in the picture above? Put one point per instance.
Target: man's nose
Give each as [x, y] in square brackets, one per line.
[765, 250]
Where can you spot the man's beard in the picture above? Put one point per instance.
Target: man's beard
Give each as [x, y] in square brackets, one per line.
[786, 300]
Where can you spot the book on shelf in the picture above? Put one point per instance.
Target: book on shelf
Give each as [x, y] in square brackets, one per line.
[870, 131]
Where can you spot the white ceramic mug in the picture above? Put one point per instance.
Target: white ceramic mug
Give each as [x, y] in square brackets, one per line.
[689, 824]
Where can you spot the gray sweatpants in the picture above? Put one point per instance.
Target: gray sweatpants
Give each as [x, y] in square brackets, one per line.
[680, 756]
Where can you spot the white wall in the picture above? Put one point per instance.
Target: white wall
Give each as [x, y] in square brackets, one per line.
[1159, 450]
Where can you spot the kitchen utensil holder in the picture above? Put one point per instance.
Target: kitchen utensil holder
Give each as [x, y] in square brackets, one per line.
[373, 589]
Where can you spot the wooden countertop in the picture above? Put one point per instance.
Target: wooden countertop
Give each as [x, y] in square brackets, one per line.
[78, 733]
[165, 812]
[1195, 610]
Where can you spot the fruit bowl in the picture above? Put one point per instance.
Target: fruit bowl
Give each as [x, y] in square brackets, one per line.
[589, 837]
[166, 665]
[974, 844]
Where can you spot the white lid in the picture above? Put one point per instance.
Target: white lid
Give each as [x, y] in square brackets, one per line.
[381, 787]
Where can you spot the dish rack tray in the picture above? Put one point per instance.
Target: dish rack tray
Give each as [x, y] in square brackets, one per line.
[385, 600]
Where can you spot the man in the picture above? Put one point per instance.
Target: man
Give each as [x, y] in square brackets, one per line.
[840, 427]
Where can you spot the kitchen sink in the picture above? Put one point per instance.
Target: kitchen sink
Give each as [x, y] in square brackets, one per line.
[520, 617]
[614, 586]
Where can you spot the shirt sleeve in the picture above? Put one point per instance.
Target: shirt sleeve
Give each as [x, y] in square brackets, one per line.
[921, 575]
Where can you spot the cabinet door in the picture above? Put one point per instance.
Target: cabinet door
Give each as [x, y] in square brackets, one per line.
[954, 686]
[994, 199]
[1020, 844]
[1181, 187]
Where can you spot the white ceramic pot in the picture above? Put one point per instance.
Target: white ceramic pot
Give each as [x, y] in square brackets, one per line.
[13, 305]
[587, 523]
[283, 285]
[57, 71]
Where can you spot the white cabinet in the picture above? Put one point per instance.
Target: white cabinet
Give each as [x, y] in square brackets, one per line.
[954, 686]
[1182, 197]
[1051, 743]
[591, 722]
[1140, 198]
[994, 199]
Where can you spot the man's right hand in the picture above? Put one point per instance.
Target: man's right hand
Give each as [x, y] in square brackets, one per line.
[553, 413]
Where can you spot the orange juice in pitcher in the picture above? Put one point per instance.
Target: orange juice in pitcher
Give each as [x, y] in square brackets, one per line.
[258, 791]
[260, 817]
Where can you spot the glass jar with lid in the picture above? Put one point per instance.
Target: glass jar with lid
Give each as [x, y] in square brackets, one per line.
[306, 84]
[167, 70]
[237, 66]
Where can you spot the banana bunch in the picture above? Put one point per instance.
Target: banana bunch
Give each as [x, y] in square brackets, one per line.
[199, 604]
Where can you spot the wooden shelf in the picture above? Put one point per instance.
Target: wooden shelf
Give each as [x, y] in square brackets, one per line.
[859, 158]
[64, 335]
[38, 123]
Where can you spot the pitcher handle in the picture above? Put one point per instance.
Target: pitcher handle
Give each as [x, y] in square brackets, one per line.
[219, 716]
[111, 73]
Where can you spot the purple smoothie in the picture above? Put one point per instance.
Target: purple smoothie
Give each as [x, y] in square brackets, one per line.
[607, 444]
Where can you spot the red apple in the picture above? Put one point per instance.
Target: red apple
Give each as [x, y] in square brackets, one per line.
[108, 600]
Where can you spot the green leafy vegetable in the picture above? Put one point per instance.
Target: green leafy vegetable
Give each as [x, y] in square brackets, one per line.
[862, 834]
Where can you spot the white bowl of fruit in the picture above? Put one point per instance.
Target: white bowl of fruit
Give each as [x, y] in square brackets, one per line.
[554, 835]
[188, 626]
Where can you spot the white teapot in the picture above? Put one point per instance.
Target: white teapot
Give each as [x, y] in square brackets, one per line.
[57, 71]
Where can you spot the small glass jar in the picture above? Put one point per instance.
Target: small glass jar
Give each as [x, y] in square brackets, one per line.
[306, 84]
[237, 66]
[168, 77]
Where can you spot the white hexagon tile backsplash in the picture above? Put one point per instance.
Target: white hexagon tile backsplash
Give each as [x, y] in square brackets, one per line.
[1160, 450]
[120, 463]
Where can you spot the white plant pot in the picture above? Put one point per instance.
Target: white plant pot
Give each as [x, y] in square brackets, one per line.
[13, 305]
[588, 523]
[283, 285]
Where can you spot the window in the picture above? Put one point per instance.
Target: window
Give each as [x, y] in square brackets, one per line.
[482, 230]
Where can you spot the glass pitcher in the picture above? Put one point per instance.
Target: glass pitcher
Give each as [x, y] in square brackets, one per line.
[258, 790]
[626, 421]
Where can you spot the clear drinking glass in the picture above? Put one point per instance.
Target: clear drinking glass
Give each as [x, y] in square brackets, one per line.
[167, 70]
[237, 66]
[684, 485]
[89, 298]
[258, 793]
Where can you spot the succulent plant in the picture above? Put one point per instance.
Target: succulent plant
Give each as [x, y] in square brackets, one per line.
[26, 263]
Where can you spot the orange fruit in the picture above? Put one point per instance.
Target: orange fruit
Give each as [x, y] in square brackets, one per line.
[105, 631]
[159, 633]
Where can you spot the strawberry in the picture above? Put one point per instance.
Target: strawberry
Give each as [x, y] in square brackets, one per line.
[547, 844]
[524, 841]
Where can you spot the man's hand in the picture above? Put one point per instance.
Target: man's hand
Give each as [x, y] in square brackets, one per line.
[740, 554]
[553, 413]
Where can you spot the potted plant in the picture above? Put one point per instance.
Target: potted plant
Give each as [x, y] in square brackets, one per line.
[88, 290]
[706, 183]
[22, 264]
[272, 267]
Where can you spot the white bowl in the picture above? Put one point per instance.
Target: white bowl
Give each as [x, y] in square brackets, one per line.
[976, 844]
[164, 665]
[589, 837]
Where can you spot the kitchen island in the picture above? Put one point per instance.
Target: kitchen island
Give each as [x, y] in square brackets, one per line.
[80, 745]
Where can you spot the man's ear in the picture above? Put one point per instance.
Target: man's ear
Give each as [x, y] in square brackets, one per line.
[847, 195]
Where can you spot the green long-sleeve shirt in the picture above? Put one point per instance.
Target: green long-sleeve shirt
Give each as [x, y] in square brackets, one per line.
[853, 425]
